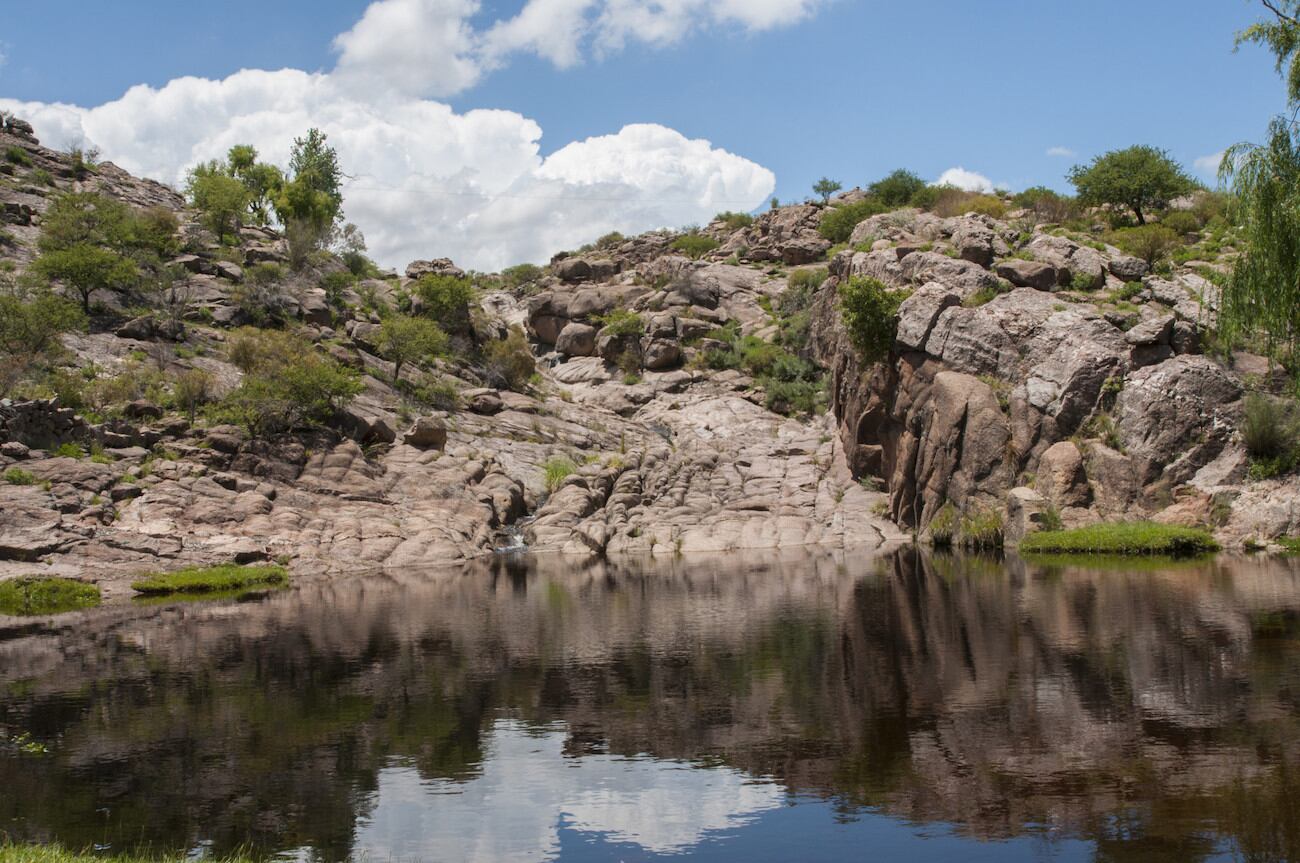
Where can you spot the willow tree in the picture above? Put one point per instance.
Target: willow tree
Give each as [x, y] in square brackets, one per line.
[1262, 297]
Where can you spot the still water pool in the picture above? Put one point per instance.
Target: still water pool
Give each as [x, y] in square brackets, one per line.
[814, 707]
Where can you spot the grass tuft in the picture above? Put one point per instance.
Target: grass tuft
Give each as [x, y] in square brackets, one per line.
[210, 579]
[58, 854]
[25, 597]
[1122, 538]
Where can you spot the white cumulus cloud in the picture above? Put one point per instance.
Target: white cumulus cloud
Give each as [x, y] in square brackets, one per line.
[967, 181]
[426, 181]
[1061, 152]
[1208, 165]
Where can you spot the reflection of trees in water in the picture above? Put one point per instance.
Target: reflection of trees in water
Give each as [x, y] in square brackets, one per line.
[1135, 708]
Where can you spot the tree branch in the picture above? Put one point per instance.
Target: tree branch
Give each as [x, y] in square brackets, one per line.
[1290, 19]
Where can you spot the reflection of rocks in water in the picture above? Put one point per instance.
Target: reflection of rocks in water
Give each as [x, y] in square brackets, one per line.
[940, 689]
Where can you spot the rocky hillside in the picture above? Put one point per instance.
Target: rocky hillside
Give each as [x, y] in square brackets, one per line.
[675, 404]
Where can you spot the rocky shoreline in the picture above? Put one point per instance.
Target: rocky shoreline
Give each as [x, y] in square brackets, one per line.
[1034, 375]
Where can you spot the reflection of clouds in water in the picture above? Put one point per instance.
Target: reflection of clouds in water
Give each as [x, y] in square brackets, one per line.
[512, 811]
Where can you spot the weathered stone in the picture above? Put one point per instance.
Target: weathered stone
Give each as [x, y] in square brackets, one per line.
[427, 433]
[436, 267]
[1061, 476]
[661, 354]
[1028, 274]
[576, 340]
[573, 270]
[1128, 268]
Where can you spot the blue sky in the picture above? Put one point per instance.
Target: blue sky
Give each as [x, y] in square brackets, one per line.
[842, 88]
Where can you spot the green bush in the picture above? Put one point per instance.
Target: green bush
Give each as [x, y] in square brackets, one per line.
[509, 362]
[556, 469]
[42, 177]
[621, 322]
[27, 596]
[981, 529]
[869, 310]
[734, 221]
[210, 579]
[897, 189]
[945, 526]
[522, 274]
[30, 326]
[1140, 179]
[1127, 538]
[1181, 222]
[951, 202]
[610, 240]
[1151, 243]
[446, 299]
[286, 383]
[1047, 204]
[18, 156]
[837, 223]
[695, 245]
[404, 339]
[18, 476]
[1270, 430]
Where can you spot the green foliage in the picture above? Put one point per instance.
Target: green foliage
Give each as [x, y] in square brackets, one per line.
[825, 187]
[897, 189]
[191, 389]
[286, 383]
[57, 854]
[1181, 222]
[945, 526]
[262, 181]
[28, 596]
[621, 322]
[1140, 178]
[18, 476]
[221, 198]
[18, 156]
[70, 450]
[950, 202]
[86, 269]
[1151, 243]
[30, 326]
[610, 240]
[981, 529]
[1263, 292]
[837, 223]
[405, 339]
[210, 579]
[1122, 538]
[694, 245]
[556, 469]
[509, 362]
[1280, 35]
[446, 300]
[42, 177]
[1047, 204]
[1270, 430]
[870, 313]
[311, 202]
[734, 221]
[791, 384]
[522, 274]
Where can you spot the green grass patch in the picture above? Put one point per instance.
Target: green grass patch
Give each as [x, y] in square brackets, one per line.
[1290, 543]
[58, 854]
[210, 579]
[18, 476]
[557, 469]
[25, 597]
[1122, 538]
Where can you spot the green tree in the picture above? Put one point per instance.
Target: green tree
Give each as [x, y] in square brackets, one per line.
[261, 180]
[86, 269]
[869, 310]
[1140, 178]
[446, 300]
[220, 197]
[897, 189]
[286, 384]
[309, 204]
[405, 339]
[825, 187]
[1281, 35]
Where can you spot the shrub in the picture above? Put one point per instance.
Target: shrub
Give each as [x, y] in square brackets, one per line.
[610, 240]
[192, 388]
[34, 595]
[221, 198]
[1181, 222]
[897, 189]
[86, 268]
[955, 202]
[837, 223]
[622, 322]
[522, 274]
[825, 187]
[734, 221]
[30, 324]
[18, 476]
[944, 527]
[446, 300]
[981, 529]
[556, 469]
[695, 245]
[1047, 205]
[869, 310]
[1151, 243]
[18, 156]
[210, 579]
[404, 339]
[70, 450]
[925, 198]
[1270, 430]
[509, 361]
[286, 383]
[1128, 538]
[42, 177]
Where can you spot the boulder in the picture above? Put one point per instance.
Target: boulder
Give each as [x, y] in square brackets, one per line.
[974, 241]
[661, 354]
[483, 401]
[1029, 274]
[1026, 513]
[804, 250]
[436, 267]
[573, 270]
[1128, 268]
[1061, 477]
[427, 433]
[576, 340]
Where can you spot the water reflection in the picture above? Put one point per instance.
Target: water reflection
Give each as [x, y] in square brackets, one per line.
[531, 711]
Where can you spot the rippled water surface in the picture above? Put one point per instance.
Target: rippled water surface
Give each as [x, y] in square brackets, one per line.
[809, 708]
